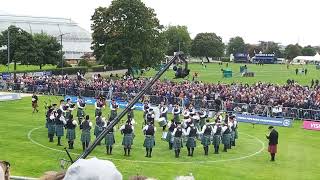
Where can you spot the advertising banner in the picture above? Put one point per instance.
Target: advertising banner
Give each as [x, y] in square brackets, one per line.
[264, 120]
[311, 125]
[9, 97]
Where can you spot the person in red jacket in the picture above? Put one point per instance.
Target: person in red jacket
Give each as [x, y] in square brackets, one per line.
[273, 142]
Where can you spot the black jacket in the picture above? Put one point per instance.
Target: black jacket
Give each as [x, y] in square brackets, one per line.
[273, 137]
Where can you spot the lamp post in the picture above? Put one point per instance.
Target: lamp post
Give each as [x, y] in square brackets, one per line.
[61, 51]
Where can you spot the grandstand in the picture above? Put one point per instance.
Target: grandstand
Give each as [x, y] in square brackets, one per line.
[76, 40]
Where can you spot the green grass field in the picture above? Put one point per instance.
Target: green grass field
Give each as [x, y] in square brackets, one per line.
[273, 73]
[298, 157]
[4, 68]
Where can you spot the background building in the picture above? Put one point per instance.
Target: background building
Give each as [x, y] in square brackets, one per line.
[76, 41]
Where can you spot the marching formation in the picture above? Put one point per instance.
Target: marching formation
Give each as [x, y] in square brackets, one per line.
[194, 126]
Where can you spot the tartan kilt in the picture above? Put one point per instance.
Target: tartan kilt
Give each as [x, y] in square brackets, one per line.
[85, 136]
[113, 114]
[226, 138]
[97, 112]
[169, 137]
[149, 142]
[59, 130]
[205, 140]
[236, 136]
[34, 104]
[127, 140]
[109, 140]
[272, 149]
[97, 130]
[71, 134]
[176, 118]
[232, 135]
[191, 142]
[216, 140]
[51, 128]
[177, 143]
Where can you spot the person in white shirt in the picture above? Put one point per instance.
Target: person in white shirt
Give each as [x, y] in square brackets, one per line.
[206, 136]
[149, 142]
[177, 134]
[191, 133]
[127, 141]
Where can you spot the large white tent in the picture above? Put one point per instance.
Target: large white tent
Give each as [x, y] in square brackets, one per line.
[307, 59]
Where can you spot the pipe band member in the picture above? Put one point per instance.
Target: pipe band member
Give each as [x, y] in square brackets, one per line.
[71, 132]
[176, 113]
[149, 142]
[86, 126]
[109, 140]
[169, 138]
[206, 136]
[127, 141]
[177, 139]
[34, 103]
[217, 130]
[113, 107]
[192, 133]
[226, 137]
[100, 124]
[50, 122]
[59, 125]
[80, 111]
[163, 113]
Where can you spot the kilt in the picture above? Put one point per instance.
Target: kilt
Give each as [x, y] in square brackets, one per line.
[205, 140]
[109, 140]
[191, 142]
[59, 130]
[51, 128]
[176, 118]
[127, 140]
[80, 113]
[233, 135]
[226, 138]
[169, 137]
[68, 114]
[71, 134]
[216, 140]
[236, 134]
[272, 149]
[97, 112]
[149, 142]
[177, 143]
[85, 136]
[113, 114]
[97, 130]
[34, 104]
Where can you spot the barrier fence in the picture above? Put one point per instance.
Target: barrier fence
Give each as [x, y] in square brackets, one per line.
[210, 105]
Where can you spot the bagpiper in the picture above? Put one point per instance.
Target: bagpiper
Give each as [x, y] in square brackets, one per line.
[59, 125]
[71, 132]
[169, 137]
[50, 117]
[99, 104]
[80, 111]
[85, 135]
[234, 129]
[226, 137]
[109, 139]
[146, 108]
[186, 119]
[149, 142]
[150, 116]
[191, 141]
[113, 108]
[100, 124]
[176, 113]
[34, 102]
[70, 108]
[217, 130]
[163, 114]
[63, 107]
[206, 136]
[177, 134]
[131, 111]
[127, 141]
[203, 116]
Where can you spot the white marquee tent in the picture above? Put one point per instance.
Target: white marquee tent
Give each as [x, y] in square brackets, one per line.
[307, 59]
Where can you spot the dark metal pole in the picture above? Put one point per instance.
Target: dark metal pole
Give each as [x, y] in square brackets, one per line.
[61, 54]
[136, 99]
[8, 48]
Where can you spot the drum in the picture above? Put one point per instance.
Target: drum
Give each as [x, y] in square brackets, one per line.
[162, 122]
[164, 136]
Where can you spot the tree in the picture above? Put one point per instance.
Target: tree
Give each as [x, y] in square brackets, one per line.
[127, 34]
[273, 48]
[308, 51]
[207, 45]
[47, 50]
[21, 46]
[253, 49]
[292, 51]
[178, 38]
[236, 45]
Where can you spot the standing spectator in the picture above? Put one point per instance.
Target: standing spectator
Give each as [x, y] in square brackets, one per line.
[273, 142]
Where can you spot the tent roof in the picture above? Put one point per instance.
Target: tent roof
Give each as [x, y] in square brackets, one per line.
[308, 58]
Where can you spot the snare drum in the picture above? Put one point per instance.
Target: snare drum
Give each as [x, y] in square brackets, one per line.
[162, 122]
[164, 136]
